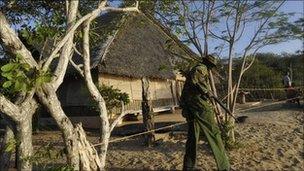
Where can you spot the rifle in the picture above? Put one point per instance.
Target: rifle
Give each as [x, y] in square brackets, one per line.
[221, 104]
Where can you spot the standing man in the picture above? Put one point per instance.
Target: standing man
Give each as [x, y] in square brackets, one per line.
[287, 80]
[198, 111]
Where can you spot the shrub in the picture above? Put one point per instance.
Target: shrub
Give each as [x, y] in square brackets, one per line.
[113, 97]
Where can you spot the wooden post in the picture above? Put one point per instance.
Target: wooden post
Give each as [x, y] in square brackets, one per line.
[148, 120]
[243, 97]
[178, 87]
[174, 98]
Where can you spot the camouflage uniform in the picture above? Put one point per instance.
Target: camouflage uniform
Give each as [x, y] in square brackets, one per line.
[200, 117]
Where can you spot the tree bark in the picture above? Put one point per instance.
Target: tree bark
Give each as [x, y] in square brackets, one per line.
[68, 46]
[88, 155]
[219, 113]
[105, 132]
[24, 144]
[147, 113]
[80, 153]
[49, 98]
[104, 136]
[24, 134]
[12, 44]
[21, 114]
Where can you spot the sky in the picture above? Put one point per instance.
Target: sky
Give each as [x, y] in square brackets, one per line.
[290, 6]
[296, 6]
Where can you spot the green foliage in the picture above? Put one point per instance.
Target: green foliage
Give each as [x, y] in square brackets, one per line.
[229, 144]
[36, 36]
[38, 21]
[48, 154]
[262, 76]
[26, 11]
[268, 70]
[61, 168]
[11, 145]
[17, 76]
[163, 68]
[113, 97]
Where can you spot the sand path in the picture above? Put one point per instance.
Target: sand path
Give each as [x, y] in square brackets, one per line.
[272, 138]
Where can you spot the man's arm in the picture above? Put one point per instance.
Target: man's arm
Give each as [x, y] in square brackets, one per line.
[199, 79]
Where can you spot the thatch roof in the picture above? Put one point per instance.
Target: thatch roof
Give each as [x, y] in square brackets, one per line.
[136, 48]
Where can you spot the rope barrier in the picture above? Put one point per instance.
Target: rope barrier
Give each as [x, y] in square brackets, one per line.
[273, 103]
[267, 89]
[142, 133]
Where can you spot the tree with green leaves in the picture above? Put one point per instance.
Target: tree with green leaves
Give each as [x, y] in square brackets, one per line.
[42, 76]
[275, 66]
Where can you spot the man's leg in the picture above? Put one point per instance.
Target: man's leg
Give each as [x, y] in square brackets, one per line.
[191, 146]
[208, 125]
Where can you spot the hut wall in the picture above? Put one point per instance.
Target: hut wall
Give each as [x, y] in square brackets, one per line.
[75, 98]
[159, 88]
[125, 84]
[77, 101]
[78, 89]
[74, 92]
[162, 92]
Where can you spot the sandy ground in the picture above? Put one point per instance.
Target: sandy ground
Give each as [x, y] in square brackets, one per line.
[271, 138]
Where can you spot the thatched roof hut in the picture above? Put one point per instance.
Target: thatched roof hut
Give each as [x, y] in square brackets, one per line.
[131, 47]
[137, 47]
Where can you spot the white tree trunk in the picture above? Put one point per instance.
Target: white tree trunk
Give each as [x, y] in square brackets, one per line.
[49, 98]
[103, 114]
[22, 116]
[68, 46]
[104, 139]
[25, 147]
[80, 153]
[24, 134]
[75, 138]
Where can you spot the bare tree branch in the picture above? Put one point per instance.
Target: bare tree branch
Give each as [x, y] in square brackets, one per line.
[77, 67]
[257, 32]
[13, 44]
[105, 125]
[219, 37]
[119, 118]
[9, 108]
[95, 13]
[66, 51]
